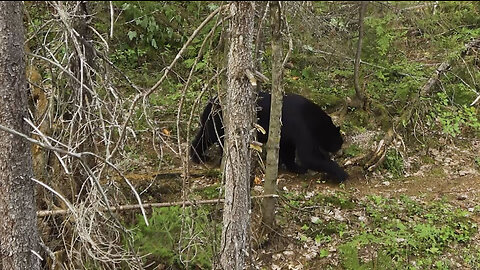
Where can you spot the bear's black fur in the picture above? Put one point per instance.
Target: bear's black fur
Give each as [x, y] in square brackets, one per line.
[307, 134]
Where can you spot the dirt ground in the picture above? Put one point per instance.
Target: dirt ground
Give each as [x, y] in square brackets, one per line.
[447, 171]
[289, 254]
[451, 173]
[465, 190]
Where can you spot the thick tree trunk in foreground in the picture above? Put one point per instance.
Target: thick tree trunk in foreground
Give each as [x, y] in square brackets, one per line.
[273, 143]
[239, 112]
[18, 223]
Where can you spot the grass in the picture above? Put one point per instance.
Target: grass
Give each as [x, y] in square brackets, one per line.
[376, 232]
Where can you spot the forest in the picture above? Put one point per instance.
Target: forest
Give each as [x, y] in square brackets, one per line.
[137, 131]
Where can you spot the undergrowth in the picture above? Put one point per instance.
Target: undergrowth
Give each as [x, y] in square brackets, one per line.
[383, 233]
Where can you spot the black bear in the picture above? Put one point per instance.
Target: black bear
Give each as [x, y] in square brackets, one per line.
[307, 134]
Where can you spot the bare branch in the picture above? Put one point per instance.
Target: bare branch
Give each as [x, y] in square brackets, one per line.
[261, 77]
[167, 70]
[251, 77]
[111, 18]
[475, 101]
[78, 156]
[45, 213]
[289, 35]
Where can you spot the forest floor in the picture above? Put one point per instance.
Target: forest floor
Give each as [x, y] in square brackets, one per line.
[368, 212]
[426, 218]
[295, 251]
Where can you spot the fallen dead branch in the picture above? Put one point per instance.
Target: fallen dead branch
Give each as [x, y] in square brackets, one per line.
[45, 213]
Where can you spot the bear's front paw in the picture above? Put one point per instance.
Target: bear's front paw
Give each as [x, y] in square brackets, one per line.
[340, 176]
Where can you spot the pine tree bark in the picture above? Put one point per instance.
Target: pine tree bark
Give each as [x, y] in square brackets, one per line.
[273, 143]
[240, 112]
[18, 225]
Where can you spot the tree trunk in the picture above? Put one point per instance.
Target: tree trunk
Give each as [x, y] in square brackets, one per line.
[260, 38]
[82, 65]
[360, 96]
[222, 91]
[18, 225]
[240, 131]
[273, 143]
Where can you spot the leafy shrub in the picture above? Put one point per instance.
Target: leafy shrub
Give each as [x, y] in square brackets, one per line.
[165, 240]
[351, 261]
[352, 150]
[394, 162]
[453, 119]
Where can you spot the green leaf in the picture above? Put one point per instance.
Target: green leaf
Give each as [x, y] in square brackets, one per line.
[154, 43]
[212, 6]
[323, 253]
[189, 62]
[132, 34]
[303, 238]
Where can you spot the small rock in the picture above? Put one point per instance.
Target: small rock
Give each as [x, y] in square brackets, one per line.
[295, 267]
[277, 256]
[309, 195]
[310, 255]
[315, 220]
[466, 172]
[258, 189]
[338, 215]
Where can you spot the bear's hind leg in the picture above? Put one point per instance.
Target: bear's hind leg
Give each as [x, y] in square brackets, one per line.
[287, 157]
